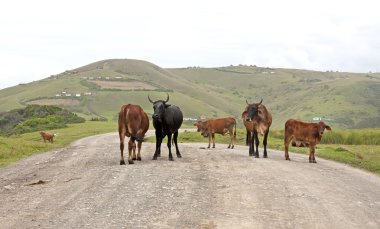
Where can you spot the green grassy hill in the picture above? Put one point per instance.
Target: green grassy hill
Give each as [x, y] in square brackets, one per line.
[345, 100]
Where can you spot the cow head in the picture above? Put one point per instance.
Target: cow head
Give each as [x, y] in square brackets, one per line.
[201, 127]
[252, 110]
[321, 128]
[159, 108]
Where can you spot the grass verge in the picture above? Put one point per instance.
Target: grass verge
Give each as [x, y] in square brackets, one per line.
[18, 147]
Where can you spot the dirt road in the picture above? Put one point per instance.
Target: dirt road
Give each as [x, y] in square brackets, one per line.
[83, 186]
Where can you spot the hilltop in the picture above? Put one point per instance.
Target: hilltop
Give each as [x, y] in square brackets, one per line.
[345, 100]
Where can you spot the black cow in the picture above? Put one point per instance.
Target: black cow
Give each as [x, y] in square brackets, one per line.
[167, 119]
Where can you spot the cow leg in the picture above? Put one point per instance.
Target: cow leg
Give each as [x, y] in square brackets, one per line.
[158, 147]
[134, 150]
[122, 137]
[175, 137]
[231, 145]
[311, 155]
[287, 141]
[255, 135]
[250, 143]
[209, 141]
[213, 140]
[139, 150]
[131, 143]
[265, 143]
[170, 147]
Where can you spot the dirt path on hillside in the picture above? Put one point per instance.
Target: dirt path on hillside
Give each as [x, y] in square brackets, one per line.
[83, 186]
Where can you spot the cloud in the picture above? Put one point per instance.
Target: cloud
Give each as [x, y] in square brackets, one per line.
[50, 37]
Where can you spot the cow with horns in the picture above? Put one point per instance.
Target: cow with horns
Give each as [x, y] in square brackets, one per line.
[167, 119]
[257, 120]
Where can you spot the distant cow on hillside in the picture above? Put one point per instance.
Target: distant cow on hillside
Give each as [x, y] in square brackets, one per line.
[133, 123]
[306, 134]
[257, 120]
[47, 136]
[167, 119]
[217, 126]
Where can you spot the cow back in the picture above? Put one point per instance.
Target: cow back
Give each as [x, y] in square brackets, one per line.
[302, 131]
[220, 125]
[134, 119]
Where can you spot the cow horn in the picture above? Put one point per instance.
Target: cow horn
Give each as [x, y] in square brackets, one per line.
[247, 102]
[167, 98]
[150, 99]
[261, 101]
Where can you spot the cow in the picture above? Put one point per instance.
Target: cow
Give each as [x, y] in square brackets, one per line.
[257, 120]
[167, 119]
[303, 133]
[47, 136]
[134, 123]
[217, 126]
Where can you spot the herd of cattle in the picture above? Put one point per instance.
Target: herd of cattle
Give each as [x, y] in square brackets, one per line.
[167, 119]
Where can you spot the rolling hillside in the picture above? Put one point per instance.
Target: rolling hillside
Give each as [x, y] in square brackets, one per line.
[345, 100]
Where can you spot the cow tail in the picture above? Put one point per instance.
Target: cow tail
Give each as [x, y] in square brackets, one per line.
[235, 131]
[123, 118]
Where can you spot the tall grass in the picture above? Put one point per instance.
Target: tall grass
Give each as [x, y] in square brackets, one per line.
[345, 137]
[353, 137]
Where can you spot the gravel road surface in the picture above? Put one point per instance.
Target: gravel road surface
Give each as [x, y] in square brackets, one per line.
[83, 186]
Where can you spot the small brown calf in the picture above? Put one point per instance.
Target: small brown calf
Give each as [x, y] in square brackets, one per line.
[303, 134]
[47, 136]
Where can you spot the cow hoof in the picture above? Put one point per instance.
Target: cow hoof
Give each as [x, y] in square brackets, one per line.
[257, 156]
[265, 156]
[213, 147]
[232, 147]
[134, 159]
[139, 158]
[179, 155]
[171, 159]
[130, 161]
[228, 147]
[288, 159]
[122, 162]
[251, 155]
[154, 158]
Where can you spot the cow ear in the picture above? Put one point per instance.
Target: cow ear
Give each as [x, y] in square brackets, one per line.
[327, 127]
[167, 105]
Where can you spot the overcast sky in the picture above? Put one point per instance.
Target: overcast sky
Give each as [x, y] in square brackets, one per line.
[39, 38]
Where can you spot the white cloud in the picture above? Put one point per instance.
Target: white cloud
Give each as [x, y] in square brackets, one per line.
[48, 37]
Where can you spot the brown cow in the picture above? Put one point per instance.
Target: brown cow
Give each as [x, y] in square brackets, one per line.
[303, 133]
[217, 126]
[47, 136]
[133, 123]
[257, 120]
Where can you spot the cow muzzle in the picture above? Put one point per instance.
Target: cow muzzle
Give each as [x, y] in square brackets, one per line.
[248, 119]
[156, 117]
